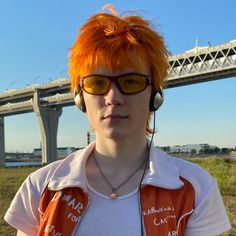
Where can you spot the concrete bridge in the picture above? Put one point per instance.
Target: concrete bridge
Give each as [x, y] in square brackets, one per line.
[200, 64]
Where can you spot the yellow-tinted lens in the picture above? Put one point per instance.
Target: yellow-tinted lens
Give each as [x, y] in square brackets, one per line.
[96, 84]
[132, 83]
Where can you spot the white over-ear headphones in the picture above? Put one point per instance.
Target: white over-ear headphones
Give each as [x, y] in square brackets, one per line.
[79, 100]
[156, 100]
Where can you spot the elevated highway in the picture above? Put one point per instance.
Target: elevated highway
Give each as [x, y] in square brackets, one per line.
[200, 64]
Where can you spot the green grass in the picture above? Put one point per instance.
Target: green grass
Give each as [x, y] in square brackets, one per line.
[222, 169]
[10, 181]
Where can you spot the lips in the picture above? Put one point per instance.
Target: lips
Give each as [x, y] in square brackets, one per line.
[114, 116]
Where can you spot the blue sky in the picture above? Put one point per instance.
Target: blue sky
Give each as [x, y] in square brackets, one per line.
[35, 37]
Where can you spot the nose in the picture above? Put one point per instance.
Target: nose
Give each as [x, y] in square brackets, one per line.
[114, 97]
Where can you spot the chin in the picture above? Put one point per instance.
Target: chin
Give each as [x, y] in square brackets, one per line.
[116, 134]
[121, 132]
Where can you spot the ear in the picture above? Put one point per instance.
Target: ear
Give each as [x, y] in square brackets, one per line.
[79, 100]
[156, 100]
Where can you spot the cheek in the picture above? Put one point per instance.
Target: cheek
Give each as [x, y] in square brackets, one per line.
[145, 101]
[92, 116]
[146, 105]
[90, 101]
[141, 106]
[93, 106]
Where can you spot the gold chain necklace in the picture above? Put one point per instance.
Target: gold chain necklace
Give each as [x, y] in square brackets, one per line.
[114, 193]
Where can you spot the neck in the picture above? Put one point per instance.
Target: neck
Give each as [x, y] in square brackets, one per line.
[117, 160]
[127, 152]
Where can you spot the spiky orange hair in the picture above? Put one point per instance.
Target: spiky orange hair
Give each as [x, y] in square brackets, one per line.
[112, 41]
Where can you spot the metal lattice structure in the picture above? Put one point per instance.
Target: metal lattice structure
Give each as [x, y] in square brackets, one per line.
[203, 64]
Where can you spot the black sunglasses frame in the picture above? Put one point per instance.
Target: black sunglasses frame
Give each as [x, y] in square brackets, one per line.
[115, 79]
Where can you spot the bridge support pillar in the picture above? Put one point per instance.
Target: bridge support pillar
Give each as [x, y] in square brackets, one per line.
[2, 142]
[48, 120]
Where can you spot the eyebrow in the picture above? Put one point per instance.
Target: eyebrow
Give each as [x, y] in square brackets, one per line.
[116, 76]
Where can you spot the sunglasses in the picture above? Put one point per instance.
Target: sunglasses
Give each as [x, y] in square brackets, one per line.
[130, 83]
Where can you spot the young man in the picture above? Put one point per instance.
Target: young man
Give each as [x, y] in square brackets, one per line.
[121, 184]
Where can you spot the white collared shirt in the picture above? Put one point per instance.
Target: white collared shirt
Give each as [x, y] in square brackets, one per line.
[209, 216]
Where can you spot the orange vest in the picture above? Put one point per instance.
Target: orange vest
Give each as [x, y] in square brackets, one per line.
[165, 212]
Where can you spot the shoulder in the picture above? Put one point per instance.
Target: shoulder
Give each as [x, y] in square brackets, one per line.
[41, 177]
[186, 169]
[192, 171]
[199, 178]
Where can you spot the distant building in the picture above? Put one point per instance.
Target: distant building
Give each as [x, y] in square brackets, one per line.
[191, 147]
[37, 152]
[62, 152]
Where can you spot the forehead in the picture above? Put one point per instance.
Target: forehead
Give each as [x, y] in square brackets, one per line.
[135, 66]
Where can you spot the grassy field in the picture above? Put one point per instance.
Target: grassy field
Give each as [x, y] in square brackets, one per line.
[223, 170]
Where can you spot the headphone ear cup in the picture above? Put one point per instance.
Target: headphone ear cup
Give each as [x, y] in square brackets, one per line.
[157, 99]
[79, 101]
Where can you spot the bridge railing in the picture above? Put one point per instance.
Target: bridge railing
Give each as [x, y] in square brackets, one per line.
[215, 62]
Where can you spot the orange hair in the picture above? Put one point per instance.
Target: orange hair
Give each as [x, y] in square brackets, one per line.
[112, 41]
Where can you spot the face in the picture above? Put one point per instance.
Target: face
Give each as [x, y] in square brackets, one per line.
[115, 115]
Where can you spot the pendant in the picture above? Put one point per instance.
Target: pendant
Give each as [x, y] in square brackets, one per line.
[113, 195]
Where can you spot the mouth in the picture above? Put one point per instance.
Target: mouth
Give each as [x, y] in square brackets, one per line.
[114, 117]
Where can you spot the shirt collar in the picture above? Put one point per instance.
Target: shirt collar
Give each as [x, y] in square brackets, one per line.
[71, 172]
[163, 171]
